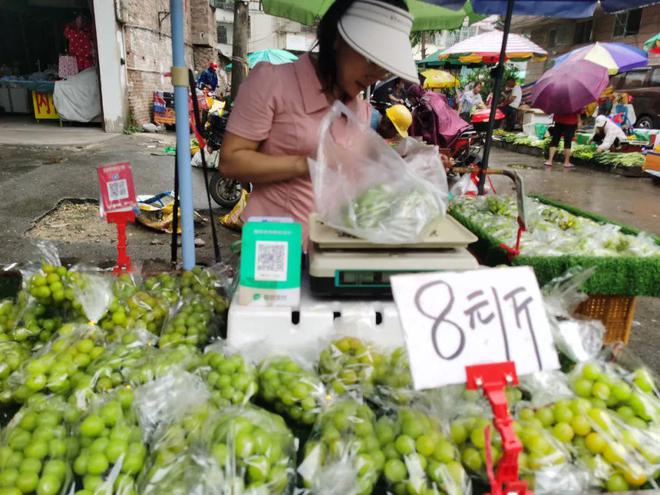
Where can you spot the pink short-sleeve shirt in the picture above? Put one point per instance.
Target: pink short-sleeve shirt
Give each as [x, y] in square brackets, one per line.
[282, 106]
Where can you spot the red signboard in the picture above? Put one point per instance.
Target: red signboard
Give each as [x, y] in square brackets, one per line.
[117, 189]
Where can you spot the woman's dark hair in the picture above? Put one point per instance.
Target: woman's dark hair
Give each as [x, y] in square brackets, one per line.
[327, 33]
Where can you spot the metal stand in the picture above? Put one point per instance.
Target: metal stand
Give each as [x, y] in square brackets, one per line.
[492, 378]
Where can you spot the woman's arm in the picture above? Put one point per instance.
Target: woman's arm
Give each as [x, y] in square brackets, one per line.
[240, 160]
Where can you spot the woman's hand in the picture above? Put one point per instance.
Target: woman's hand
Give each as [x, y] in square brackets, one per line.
[240, 160]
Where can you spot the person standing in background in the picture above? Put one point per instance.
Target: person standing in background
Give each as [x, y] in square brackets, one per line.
[209, 77]
[565, 126]
[80, 38]
[511, 102]
[471, 101]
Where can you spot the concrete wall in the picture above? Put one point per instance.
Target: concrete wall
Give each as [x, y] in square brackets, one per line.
[110, 45]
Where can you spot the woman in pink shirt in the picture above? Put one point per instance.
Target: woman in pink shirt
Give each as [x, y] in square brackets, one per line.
[274, 124]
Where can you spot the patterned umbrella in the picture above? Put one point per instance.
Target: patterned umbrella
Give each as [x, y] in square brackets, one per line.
[652, 45]
[615, 57]
[485, 48]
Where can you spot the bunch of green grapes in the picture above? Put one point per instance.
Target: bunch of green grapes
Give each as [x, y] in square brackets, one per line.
[60, 366]
[8, 313]
[110, 440]
[52, 288]
[231, 379]
[419, 458]
[12, 354]
[291, 389]
[202, 283]
[35, 450]
[141, 310]
[165, 286]
[395, 382]
[190, 325]
[637, 403]
[254, 448]
[346, 433]
[156, 363]
[349, 364]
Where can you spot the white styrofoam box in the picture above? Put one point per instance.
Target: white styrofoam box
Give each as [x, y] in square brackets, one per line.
[302, 331]
[534, 118]
[530, 129]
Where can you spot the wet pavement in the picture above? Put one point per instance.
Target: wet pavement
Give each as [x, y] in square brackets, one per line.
[632, 201]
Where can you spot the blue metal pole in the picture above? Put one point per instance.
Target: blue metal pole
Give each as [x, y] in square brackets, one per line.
[180, 81]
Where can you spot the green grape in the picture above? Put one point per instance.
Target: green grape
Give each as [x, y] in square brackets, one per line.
[231, 379]
[12, 354]
[291, 389]
[190, 325]
[156, 363]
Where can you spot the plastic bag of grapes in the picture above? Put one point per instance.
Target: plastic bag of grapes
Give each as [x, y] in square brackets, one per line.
[254, 449]
[292, 388]
[12, 354]
[207, 284]
[35, 449]
[112, 453]
[192, 472]
[8, 312]
[343, 450]
[93, 291]
[168, 399]
[112, 368]
[155, 363]
[61, 365]
[142, 309]
[545, 387]
[231, 378]
[419, 457]
[191, 323]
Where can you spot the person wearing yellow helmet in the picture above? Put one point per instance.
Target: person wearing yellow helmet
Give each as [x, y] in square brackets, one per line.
[394, 125]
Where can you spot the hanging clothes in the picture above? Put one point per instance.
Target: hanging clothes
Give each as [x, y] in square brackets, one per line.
[81, 43]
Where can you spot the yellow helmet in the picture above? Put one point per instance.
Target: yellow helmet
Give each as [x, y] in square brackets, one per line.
[401, 117]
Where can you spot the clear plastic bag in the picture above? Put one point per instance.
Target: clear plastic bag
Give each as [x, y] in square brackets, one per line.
[254, 449]
[156, 363]
[363, 187]
[141, 309]
[193, 472]
[546, 387]
[167, 400]
[419, 455]
[192, 323]
[231, 378]
[60, 366]
[112, 453]
[35, 448]
[343, 454]
[292, 388]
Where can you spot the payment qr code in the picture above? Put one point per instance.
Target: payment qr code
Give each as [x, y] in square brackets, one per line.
[117, 190]
[271, 261]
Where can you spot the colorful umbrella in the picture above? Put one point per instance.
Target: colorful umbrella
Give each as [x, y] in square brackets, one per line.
[273, 55]
[652, 45]
[427, 17]
[615, 57]
[485, 48]
[439, 79]
[569, 87]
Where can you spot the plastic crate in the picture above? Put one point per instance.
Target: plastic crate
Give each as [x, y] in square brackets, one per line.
[616, 313]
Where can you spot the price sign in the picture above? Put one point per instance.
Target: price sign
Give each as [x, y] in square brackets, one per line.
[452, 320]
[117, 189]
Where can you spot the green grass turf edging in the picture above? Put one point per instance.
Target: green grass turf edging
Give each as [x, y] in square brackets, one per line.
[615, 275]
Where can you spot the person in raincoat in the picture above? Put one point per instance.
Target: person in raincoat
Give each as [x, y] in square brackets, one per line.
[607, 134]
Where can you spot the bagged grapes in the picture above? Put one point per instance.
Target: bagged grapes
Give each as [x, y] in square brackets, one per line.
[191, 323]
[35, 449]
[230, 377]
[112, 453]
[12, 354]
[155, 363]
[343, 453]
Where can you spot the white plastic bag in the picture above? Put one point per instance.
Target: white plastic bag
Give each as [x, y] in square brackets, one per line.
[363, 187]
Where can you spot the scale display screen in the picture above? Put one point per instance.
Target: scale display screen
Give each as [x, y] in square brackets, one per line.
[358, 278]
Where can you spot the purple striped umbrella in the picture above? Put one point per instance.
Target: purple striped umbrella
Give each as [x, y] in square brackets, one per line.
[569, 87]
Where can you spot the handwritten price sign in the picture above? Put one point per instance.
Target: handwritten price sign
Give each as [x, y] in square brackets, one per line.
[453, 320]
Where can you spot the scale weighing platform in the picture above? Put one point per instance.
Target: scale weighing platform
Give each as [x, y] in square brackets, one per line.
[343, 265]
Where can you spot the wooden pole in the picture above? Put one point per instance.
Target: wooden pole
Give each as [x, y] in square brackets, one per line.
[240, 46]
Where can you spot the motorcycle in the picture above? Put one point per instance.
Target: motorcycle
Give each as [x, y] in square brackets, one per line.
[225, 192]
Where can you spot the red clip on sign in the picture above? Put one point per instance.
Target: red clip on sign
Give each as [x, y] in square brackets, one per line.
[117, 188]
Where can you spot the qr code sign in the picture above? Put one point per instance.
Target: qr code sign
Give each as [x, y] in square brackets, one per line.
[117, 190]
[271, 261]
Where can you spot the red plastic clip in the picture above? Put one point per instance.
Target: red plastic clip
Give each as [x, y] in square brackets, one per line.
[121, 218]
[492, 378]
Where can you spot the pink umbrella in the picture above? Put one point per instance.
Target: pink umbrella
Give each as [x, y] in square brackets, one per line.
[569, 87]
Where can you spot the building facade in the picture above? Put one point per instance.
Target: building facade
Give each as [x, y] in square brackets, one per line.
[559, 36]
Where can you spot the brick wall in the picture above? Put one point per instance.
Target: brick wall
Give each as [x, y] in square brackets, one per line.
[149, 48]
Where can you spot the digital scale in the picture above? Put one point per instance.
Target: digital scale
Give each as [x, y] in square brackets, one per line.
[343, 265]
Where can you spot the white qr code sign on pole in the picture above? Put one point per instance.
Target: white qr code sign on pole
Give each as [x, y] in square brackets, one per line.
[452, 320]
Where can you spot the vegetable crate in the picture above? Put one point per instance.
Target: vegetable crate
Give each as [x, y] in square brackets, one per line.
[615, 312]
[612, 288]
